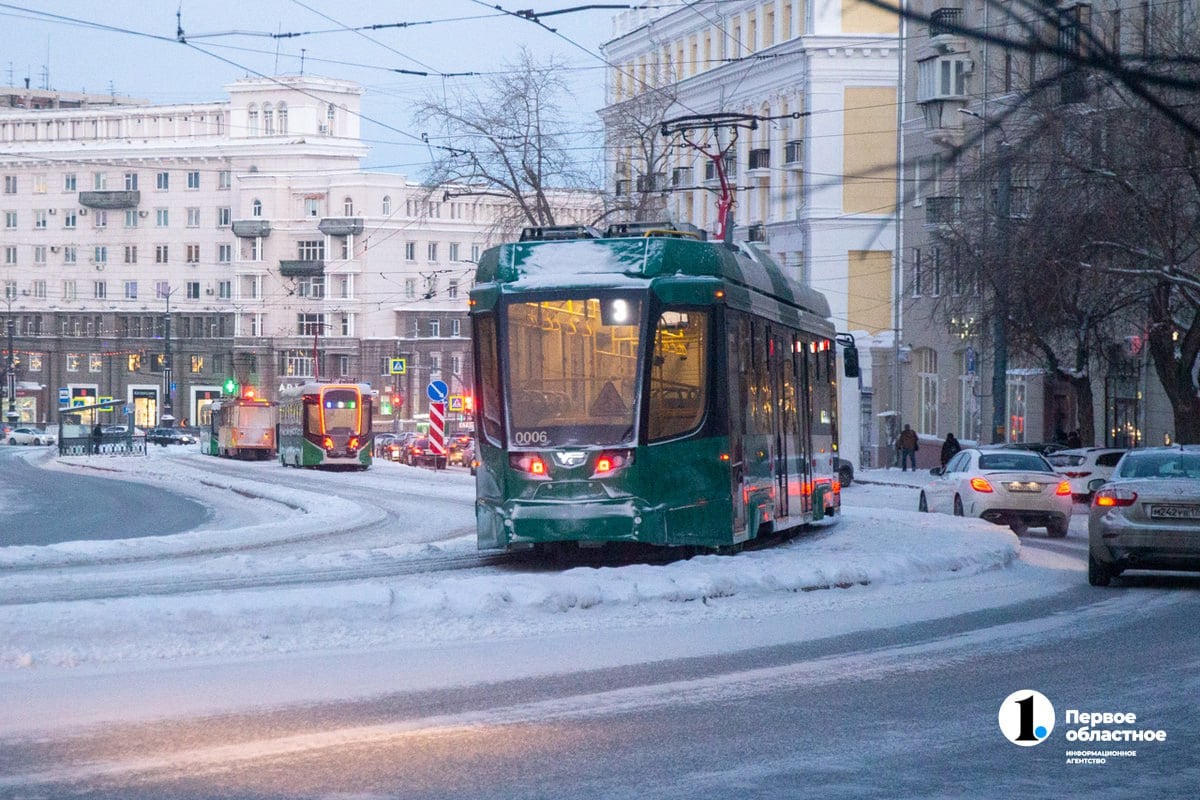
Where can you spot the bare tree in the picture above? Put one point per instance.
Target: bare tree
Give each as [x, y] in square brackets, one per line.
[640, 154]
[510, 138]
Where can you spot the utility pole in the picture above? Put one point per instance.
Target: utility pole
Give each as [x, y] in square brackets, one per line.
[168, 414]
[1000, 321]
[10, 373]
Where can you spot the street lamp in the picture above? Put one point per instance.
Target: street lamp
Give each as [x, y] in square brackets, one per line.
[10, 372]
[168, 416]
[1000, 287]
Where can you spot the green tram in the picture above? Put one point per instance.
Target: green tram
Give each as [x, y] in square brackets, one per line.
[326, 425]
[652, 388]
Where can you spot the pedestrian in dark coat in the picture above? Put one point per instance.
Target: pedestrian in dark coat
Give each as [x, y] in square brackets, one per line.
[908, 444]
[949, 448]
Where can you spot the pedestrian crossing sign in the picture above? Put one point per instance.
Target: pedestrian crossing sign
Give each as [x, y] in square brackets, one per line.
[397, 366]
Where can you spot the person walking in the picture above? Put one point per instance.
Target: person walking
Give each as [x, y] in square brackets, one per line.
[949, 448]
[908, 445]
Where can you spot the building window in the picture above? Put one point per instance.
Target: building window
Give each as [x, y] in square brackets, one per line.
[435, 328]
[312, 207]
[39, 255]
[193, 290]
[311, 250]
[131, 181]
[268, 113]
[99, 181]
[40, 219]
[39, 291]
[432, 251]
[410, 251]
[193, 217]
[410, 288]
[69, 290]
[310, 324]
[256, 208]
[69, 219]
[454, 251]
[99, 289]
[224, 217]
[193, 179]
[100, 219]
[10, 219]
[252, 120]
[162, 181]
[224, 253]
[927, 391]
[348, 207]
[69, 182]
[225, 290]
[387, 205]
[131, 218]
[10, 184]
[313, 286]
[1016, 408]
[10, 254]
[131, 254]
[452, 289]
[95, 362]
[456, 328]
[475, 253]
[282, 116]
[100, 254]
[131, 290]
[224, 179]
[192, 254]
[69, 254]
[161, 252]
[162, 217]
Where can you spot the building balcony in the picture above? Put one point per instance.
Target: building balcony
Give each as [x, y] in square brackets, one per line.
[300, 269]
[251, 228]
[110, 200]
[341, 226]
[943, 30]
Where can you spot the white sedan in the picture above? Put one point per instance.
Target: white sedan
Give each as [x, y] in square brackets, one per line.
[30, 436]
[1010, 487]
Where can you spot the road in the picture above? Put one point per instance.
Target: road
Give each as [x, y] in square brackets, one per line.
[863, 710]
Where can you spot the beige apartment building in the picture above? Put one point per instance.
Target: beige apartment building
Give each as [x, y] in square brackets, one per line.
[150, 252]
[815, 181]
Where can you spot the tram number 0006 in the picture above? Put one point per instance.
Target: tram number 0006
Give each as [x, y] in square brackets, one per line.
[531, 437]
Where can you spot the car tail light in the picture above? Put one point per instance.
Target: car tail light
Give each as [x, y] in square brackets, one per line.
[1064, 487]
[610, 461]
[528, 463]
[1114, 497]
[981, 485]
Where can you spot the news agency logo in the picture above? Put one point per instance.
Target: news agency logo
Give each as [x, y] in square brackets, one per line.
[1026, 717]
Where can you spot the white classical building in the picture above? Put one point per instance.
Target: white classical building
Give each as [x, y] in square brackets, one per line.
[816, 181]
[249, 224]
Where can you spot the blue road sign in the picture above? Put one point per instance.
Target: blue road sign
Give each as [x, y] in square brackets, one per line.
[438, 391]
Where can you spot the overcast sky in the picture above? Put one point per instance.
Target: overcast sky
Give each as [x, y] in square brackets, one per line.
[130, 48]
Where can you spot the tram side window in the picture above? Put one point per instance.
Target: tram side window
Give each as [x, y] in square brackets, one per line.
[488, 370]
[679, 373]
[312, 416]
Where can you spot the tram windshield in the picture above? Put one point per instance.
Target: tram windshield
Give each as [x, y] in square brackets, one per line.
[340, 409]
[573, 371]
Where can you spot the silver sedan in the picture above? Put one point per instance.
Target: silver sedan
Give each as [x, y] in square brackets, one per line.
[1147, 516]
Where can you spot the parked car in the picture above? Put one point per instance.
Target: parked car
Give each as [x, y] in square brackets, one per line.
[387, 445]
[1007, 486]
[1147, 515]
[166, 436]
[1045, 448]
[456, 447]
[1084, 465]
[844, 470]
[35, 436]
[420, 453]
[120, 430]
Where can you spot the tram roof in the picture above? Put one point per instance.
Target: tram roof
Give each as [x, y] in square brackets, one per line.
[630, 261]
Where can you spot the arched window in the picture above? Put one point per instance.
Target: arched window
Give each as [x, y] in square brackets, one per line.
[268, 119]
[281, 118]
[387, 205]
[329, 115]
[256, 208]
[252, 120]
[348, 207]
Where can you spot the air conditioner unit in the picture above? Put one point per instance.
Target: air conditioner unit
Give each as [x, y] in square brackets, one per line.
[53, 211]
[100, 266]
[143, 214]
[83, 212]
[54, 248]
[209, 290]
[322, 129]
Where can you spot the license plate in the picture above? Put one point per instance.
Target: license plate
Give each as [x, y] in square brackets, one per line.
[1017, 486]
[1175, 512]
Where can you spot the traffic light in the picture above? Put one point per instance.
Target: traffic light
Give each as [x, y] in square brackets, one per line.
[230, 386]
